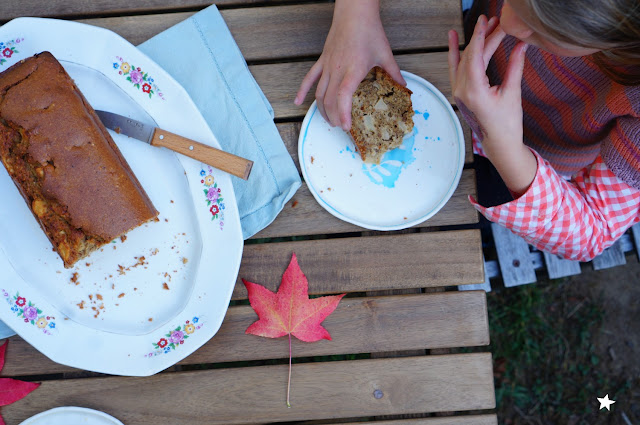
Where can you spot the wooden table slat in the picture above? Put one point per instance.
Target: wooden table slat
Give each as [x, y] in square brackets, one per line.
[10, 9]
[303, 216]
[278, 32]
[451, 420]
[358, 325]
[257, 394]
[359, 264]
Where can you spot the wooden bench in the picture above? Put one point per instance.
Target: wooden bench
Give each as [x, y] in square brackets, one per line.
[407, 348]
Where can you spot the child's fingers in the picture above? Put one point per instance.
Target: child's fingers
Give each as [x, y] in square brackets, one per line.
[454, 57]
[321, 91]
[348, 86]
[492, 24]
[473, 54]
[515, 68]
[492, 43]
[391, 66]
[308, 80]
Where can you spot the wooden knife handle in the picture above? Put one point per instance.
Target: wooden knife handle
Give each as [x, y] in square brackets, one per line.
[221, 160]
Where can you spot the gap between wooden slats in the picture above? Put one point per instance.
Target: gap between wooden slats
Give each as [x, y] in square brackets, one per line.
[369, 264]
[279, 32]
[358, 325]
[257, 394]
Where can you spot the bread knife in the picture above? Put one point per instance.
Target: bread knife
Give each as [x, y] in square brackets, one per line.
[155, 136]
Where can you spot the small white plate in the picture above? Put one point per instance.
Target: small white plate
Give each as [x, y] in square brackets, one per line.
[71, 416]
[411, 183]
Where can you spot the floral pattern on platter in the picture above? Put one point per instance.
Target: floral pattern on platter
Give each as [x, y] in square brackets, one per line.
[175, 338]
[28, 311]
[139, 78]
[8, 48]
[213, 195]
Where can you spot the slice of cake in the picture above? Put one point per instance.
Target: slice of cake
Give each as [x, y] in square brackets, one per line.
[64, 162]
[381, 115]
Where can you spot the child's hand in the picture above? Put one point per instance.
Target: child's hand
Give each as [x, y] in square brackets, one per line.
[355, 44]
[497, 109]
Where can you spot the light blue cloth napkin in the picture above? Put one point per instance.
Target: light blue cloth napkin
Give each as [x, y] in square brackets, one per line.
[202, 56]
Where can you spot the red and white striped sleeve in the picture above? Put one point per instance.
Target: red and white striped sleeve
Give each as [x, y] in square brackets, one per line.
[575, 219]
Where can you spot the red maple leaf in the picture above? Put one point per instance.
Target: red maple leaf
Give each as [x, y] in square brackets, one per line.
[290, 311]
[12, 390]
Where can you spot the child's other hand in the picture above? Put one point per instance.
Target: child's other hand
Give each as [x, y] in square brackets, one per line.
[355, 44]
[498, 109]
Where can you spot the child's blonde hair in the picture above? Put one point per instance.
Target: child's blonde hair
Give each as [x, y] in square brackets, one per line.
[610, 25]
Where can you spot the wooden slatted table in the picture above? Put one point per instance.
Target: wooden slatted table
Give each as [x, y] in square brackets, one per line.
[397, 336]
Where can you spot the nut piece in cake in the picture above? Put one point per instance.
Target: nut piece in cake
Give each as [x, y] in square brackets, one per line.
[381, 115]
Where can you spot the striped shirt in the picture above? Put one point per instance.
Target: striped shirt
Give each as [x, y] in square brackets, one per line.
[580, 125]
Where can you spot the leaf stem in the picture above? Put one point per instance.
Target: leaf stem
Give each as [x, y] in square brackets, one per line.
[289, 381]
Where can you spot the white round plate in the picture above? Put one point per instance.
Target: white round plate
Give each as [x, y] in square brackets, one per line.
[70, 415]
[410, 184]
[138, 305]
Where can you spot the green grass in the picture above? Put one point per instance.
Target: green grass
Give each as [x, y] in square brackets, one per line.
[546, 366]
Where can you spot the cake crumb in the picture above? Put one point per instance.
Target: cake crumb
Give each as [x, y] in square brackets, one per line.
[74, 278]
[81, 305]
[312, 159]
[165, 286]
[87, 264]
[156, 219]
[155, 251]
[172, 201]
[123, 238]
[150, 319]
[98, 296]
[166, 220]
[121, 295]
[185, 260]
[294, 204]
[114, 247]
[90, 297]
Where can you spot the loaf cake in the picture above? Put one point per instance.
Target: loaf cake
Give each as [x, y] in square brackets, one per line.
[64, 162]
[381, 115]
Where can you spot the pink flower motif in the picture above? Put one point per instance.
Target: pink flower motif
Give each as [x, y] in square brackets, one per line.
[136, 76]
[30, 313]
[214, 209]
[176, 337]
[212, 195]
[7, 52]
[21, 301]
[146, 88]
[163, 343]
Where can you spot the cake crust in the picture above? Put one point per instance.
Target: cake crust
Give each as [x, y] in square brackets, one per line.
[381, 115]
[64, 162]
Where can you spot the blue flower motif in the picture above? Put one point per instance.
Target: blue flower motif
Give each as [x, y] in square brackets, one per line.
[52, 325]
[115, 65]
[166, 350]
[222, 206]
[14, 309]
[202, 172]
[151, 80]
[195, 319]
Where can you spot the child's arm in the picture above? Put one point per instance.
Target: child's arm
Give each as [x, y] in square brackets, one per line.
[356, 43]
[576, 219]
